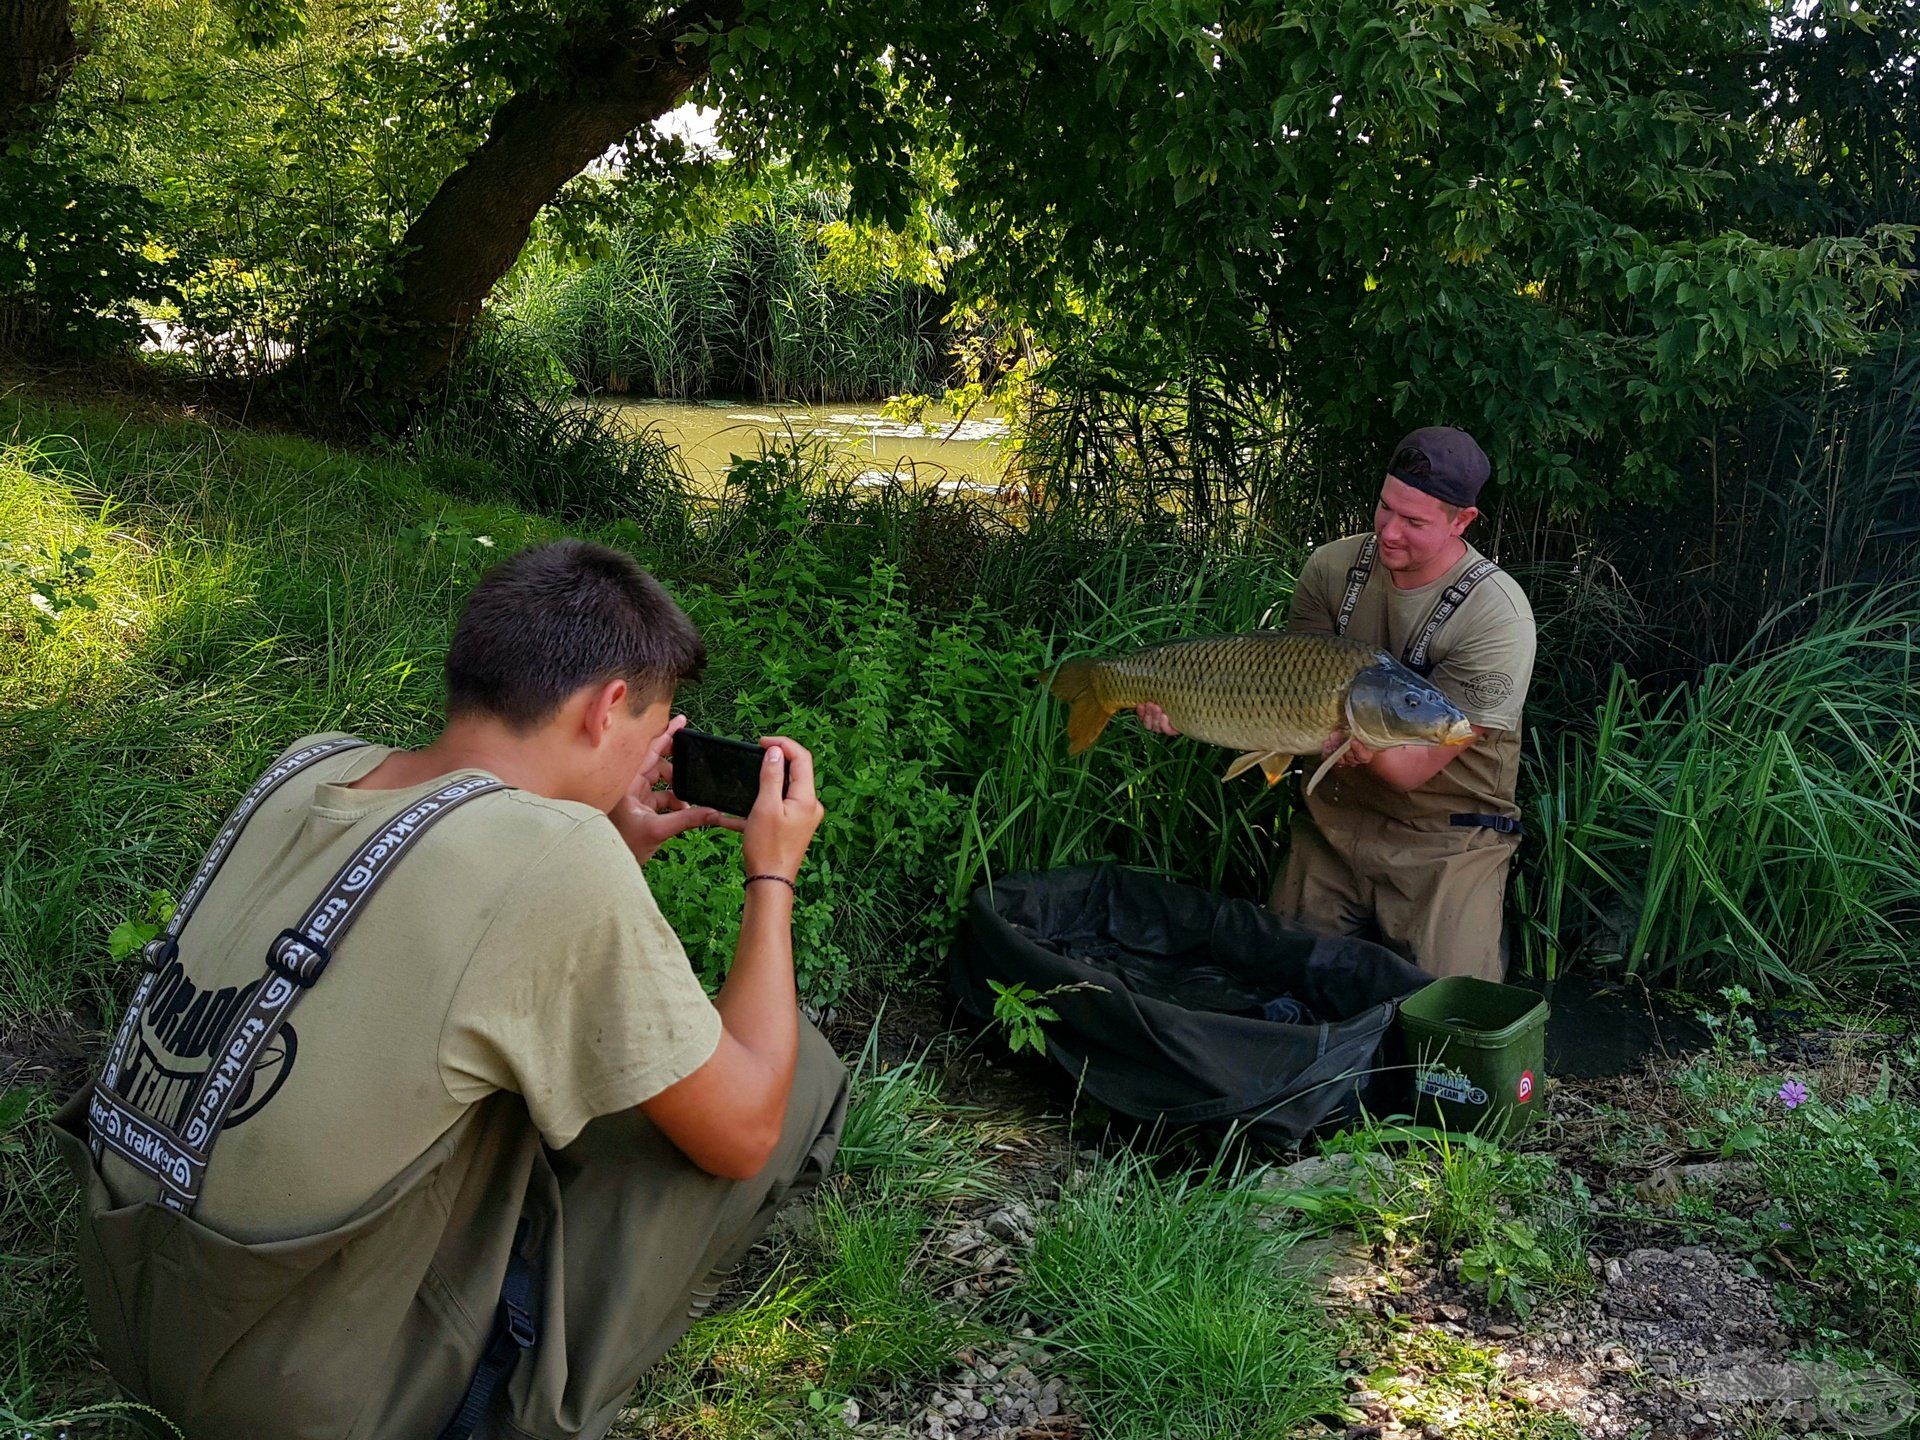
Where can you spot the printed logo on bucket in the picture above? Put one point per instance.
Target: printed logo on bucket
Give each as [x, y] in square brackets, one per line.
[1526, 1086]
[1449, 1085]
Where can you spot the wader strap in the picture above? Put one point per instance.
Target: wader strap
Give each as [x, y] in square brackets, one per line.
[1357, 578]
[1505, 825]
[297, 958]
[513, 1331]
[164, 946]
[1451, 599]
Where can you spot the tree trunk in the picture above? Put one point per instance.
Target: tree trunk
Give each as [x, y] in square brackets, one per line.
[478, 221]
[37, 53]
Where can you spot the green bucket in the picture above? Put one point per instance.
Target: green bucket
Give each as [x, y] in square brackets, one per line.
[1479, 1055]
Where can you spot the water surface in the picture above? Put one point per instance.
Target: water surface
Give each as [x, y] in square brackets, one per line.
[939, 452]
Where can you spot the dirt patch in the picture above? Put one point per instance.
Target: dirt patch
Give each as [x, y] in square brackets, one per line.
[51, 1050]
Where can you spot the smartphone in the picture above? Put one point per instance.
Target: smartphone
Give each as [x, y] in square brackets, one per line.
[711, 770]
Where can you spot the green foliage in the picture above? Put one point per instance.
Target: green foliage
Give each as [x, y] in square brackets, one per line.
[1754, 826]
[889, 1325]
[281, 150]
[77, 250]
[1513, 1222]
[776, 303]
[1559, 229]
[1508, 1264]
[52, 581]
[1018, 1008]
[1842, 1176]
[1182, 1317]
[1446, 1381]
[129, 937]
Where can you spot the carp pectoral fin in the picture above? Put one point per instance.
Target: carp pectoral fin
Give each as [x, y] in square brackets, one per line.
[1328, 763]
[1246, 762]
[1275, 766]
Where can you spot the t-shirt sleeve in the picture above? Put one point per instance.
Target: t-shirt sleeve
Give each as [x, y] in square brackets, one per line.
[1315, 609]
[579, 996]
[1486, 668]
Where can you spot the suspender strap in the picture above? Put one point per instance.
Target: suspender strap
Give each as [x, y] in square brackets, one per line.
[297, 958]
[1357, 578]
[1451, 599]
[1503, 824]
[164, 946]
[513, 1331]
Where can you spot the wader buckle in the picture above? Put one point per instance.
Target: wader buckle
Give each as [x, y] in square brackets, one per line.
[1499, 824]
[519, 1324]
[302, 959]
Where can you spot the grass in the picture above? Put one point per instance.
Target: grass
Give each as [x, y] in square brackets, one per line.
[1757, 825]
[1180, 1315]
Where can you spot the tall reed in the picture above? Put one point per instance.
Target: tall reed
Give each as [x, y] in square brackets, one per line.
[1760, 824]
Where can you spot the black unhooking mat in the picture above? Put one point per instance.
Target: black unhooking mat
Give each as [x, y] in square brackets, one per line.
[1176, 1030]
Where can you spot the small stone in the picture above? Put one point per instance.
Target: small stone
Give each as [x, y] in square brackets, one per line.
[976, 1411]
[1502, 1332]
[850, 1414]
[1047, 1404]
[952, 1408]
[989, 1372]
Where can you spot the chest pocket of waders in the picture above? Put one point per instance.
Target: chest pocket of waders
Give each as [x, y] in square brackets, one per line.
[176, 1303]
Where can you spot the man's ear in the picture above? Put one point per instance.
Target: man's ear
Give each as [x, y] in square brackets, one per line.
[1468, 514]
[602, 702]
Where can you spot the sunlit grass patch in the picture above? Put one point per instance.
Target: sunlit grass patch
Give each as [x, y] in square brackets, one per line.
[1433, 1378]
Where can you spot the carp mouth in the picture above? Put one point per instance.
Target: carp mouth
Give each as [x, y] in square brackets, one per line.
[1458, 733]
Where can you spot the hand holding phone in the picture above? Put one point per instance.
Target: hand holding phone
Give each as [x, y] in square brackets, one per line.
[719, 773]
[783, 819]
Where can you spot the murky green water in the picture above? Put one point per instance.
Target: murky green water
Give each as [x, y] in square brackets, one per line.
[961, 456]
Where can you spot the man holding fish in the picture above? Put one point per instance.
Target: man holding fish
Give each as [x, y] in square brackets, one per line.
[1403, 670]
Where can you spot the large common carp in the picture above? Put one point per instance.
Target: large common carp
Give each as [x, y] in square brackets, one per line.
[1271, 695]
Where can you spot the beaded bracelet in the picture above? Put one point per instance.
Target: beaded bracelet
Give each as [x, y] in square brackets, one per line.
[781, 878]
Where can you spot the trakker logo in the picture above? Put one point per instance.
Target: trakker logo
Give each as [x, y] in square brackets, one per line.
[1526, 1086]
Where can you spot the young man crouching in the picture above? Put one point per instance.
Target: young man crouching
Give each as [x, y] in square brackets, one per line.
[419, 1123]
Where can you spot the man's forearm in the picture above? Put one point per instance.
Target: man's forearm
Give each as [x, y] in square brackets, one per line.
[758, 1003]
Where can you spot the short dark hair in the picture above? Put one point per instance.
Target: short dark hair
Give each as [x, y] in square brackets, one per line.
[559, 616]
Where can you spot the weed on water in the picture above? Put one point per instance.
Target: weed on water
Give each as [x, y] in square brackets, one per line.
[1181, 1316]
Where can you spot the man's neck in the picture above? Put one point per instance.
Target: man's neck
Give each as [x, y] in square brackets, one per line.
[522, 761]
[1451, 556]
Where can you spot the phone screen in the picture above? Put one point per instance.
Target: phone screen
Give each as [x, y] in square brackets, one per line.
[710, 770]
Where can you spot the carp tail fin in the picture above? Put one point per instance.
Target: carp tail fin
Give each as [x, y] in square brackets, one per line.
[1087, 715]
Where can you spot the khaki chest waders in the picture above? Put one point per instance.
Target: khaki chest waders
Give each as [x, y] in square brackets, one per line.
[175, 1153]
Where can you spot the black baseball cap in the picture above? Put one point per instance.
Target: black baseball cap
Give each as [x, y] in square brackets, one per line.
[1442, 461]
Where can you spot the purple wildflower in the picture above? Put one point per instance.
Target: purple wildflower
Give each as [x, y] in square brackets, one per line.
[1786, 1225]
[1793, 1094]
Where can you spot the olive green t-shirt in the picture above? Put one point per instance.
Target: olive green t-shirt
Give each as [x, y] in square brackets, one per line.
[516, 947]
[1482, 660]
